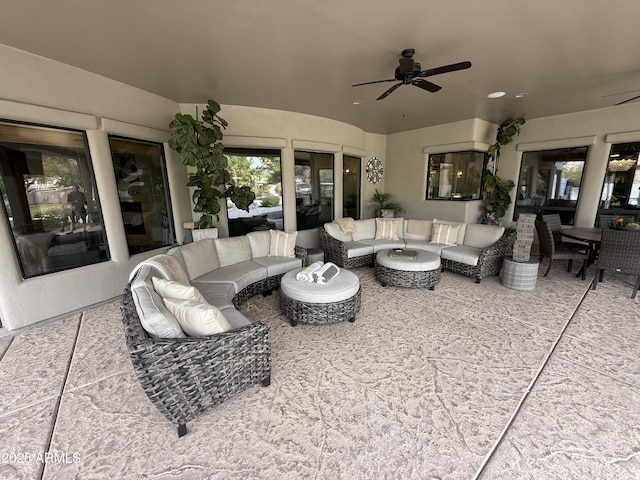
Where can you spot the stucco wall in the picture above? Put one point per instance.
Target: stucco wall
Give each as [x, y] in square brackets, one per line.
[598, 129]
[38, 90]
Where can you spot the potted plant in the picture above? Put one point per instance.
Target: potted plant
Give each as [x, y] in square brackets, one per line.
[199, 144]
[496, 190]
[383, 202]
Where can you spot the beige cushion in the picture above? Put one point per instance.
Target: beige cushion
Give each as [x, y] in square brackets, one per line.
[171, 289]
[259, 242]
[199, 257]
[157, 321]
[347, 225]
[444, 234]
[421, 228]
[366, 229]
[197, 319]
[283, 244]
[482, 236]
[461, 231]
[462, 254]
[336, 232]
[387, 228]
[166, 265]
[232, 250]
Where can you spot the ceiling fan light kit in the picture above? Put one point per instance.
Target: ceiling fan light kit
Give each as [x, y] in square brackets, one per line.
[409, 72]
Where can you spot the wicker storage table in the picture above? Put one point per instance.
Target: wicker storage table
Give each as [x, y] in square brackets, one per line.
[519, 275]
[332, 302]
[421, 271]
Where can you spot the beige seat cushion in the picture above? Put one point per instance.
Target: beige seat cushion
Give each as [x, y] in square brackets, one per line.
[462, 254]
[482, 236]
[232, 250]
[198, 257]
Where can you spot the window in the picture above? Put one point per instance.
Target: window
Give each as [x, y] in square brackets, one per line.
[621, 186]
[351, 187]
[259, 168]
[314, 189]
[456, 175]
[550, 181]
[143, 190]
[49, 194]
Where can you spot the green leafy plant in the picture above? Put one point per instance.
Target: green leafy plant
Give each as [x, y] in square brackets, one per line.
[383, 201]
[496, 190]
[199, 144]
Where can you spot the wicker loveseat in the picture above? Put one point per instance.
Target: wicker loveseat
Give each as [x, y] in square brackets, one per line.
[473, 250]
[182, 375]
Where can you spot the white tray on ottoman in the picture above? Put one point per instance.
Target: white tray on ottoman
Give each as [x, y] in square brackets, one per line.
[421, 270]
[331, 302]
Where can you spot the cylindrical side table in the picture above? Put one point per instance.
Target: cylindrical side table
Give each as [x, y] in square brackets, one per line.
[314, 255]
[519, 275]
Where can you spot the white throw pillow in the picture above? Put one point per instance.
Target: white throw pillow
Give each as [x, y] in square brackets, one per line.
[197, 319]
[347, 225]
[283, 244]
[177, 290]
[444, 233]
[387, 228]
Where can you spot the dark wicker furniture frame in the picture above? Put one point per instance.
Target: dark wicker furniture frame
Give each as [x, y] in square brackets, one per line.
[320, 313]
[405, 278]
[619, 252]
[551, 248]
[185, 377]
[489, 262]
[336, 251]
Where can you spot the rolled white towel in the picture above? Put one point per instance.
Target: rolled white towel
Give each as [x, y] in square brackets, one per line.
[325, 273]
[306, 274]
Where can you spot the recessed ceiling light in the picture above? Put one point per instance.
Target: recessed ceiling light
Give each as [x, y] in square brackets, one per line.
[496, 94]
[356, 102]
[521, 95]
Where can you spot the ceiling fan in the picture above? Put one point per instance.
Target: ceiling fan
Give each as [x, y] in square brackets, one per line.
[409, 73]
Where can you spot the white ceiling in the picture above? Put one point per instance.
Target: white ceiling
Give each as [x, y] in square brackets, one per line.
[304, 55]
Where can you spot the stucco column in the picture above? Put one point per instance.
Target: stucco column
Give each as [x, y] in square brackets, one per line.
[287, 165]
[108, 192]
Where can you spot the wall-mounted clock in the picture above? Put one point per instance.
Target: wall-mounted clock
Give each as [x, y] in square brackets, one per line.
[374, 170]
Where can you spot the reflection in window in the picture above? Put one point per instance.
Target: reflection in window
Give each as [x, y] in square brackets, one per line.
[314, 189]
[621, 188]
[49, 194]
[550, 181]
[259, 168]
[144, 194]
[351, 187]
[456, 175]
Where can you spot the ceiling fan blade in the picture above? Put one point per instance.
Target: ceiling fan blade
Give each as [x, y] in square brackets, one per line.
[406, 65]
[628, 100]
[425, 85]
[445, 69]
[377, 81]
[389, 92]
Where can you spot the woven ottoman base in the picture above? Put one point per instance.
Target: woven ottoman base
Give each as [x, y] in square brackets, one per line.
[331, 302]
[401, 278]
[319, 313]
[419, 271]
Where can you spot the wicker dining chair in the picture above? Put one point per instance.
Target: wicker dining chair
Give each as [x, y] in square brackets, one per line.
[185, 377]
[555, 223]
[558, 251]
[619, 252]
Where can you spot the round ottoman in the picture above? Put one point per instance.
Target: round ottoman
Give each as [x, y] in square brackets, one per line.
[419, 271]
[331, 302]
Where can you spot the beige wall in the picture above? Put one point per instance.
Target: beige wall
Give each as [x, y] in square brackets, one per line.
[38, 90]
[408, 151]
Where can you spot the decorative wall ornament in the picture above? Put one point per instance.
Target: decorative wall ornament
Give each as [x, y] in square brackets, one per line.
[374, 170]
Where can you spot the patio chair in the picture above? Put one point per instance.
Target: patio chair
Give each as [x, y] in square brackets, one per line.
[553, 219]
[619, 252]
[558, 251]
[185, 377]
[604, 220]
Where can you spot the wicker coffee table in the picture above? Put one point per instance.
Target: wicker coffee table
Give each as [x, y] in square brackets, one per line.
[421, 271]
[333, 302]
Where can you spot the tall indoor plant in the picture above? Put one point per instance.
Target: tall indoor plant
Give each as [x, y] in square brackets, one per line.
[497, 192]
[199, 144]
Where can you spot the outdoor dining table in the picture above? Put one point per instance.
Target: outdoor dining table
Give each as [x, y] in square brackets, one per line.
[591, 235]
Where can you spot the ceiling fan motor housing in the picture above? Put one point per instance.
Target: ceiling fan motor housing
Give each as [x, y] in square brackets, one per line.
[408, 76]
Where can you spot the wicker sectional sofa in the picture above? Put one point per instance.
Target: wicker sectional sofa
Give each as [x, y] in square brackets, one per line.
[474, 250]
[184, 375]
